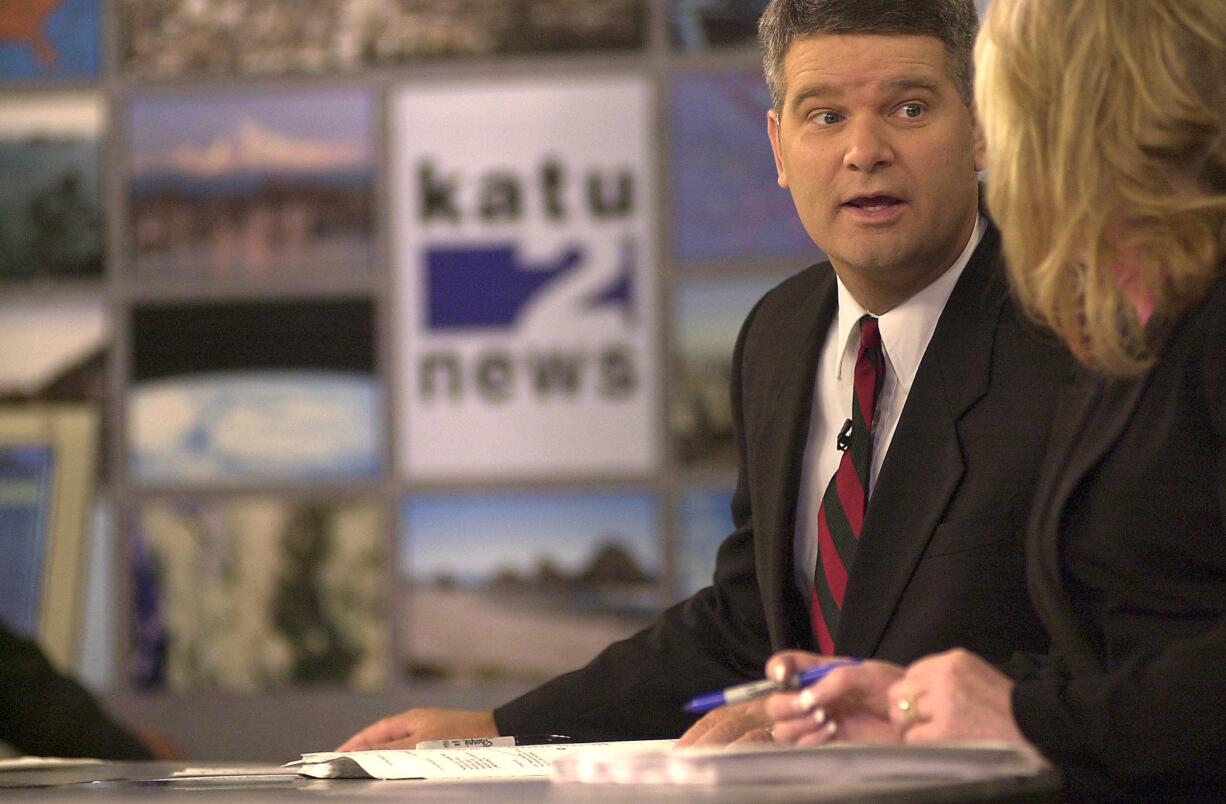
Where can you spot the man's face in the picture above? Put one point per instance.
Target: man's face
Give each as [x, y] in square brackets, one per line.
[880, 154]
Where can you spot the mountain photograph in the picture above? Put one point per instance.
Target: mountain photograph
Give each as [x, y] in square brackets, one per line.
[251, 185]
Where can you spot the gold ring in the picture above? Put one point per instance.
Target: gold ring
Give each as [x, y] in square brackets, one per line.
[908, 708]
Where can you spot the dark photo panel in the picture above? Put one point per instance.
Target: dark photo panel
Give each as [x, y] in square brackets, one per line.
[243, 391]
[702, 24]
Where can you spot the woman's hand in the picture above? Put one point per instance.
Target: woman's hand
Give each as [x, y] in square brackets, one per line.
[851, 703]
[954, 696]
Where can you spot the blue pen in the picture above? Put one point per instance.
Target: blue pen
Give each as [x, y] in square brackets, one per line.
[756, 689]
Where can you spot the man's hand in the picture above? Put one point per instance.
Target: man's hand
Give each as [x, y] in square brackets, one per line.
[740, 723]
[410, 727]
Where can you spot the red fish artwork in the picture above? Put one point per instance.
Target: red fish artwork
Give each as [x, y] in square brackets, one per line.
[22, 23]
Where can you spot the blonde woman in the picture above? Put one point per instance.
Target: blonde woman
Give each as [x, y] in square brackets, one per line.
[1106, 133]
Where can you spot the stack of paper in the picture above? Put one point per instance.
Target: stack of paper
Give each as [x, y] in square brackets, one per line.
[841, 763]
[44, 763]
[494, 762]
[658, 762]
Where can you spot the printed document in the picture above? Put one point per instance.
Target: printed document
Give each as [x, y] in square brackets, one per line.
[443, 763]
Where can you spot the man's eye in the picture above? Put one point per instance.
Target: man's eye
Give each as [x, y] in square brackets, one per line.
[826, 118]
[911, 110]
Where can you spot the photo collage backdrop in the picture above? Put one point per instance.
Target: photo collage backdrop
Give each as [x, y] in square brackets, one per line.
[406, 320]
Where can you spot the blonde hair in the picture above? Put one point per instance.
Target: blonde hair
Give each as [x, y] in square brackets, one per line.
[1106, 131]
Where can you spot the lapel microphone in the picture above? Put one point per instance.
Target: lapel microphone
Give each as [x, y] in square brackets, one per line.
[843, 442]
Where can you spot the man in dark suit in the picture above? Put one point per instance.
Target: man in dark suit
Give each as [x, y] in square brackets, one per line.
[874, 136]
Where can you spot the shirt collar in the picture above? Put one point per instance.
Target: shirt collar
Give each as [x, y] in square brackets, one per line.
[907, 328]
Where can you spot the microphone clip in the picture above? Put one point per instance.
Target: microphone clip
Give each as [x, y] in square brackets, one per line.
[843, 442]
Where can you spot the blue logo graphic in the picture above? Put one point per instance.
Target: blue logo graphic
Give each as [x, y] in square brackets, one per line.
[486, 287]
[619, 292]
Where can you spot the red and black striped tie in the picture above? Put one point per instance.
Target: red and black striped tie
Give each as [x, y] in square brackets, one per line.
[840, 516]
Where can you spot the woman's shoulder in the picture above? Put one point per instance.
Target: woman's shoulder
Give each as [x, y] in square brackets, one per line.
[1203, 347]
[1205, 321]
[1211, 312]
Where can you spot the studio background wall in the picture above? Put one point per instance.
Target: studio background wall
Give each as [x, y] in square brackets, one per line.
[408, 326]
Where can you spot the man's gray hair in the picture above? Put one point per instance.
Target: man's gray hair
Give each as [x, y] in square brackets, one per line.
[954, 22]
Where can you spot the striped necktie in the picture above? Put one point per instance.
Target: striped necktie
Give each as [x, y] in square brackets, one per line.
[840, 516]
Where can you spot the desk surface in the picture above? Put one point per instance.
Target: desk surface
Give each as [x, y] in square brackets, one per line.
[137, 780]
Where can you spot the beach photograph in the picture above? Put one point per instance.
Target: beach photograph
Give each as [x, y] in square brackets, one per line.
[546, 579]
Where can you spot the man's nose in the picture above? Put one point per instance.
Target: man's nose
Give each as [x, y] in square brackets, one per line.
[868, 146]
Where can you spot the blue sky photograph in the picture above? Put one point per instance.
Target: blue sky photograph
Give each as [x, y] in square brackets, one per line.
[203, 135]
[705, 520]
[470, 536]
[709, 312]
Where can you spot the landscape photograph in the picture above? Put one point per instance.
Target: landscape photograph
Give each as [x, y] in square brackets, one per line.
[704, 521]
[257, 592]
[547, 579]
[51, 223]
[177, 38]
[707, 314]
[252, 185]
[48, 348]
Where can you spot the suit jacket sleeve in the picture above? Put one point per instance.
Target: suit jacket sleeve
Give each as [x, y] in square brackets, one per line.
[43, 713]
[635, 688]
[1032, 666]
[1149, 723]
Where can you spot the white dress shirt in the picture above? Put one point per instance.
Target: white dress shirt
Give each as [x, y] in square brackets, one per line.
[905, 333]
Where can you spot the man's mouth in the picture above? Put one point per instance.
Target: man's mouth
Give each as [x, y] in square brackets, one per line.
[873, 203]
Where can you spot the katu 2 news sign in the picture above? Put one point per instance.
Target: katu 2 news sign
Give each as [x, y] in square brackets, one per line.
[522, 216]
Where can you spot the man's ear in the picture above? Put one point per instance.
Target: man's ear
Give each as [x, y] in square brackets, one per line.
[772, 131]
[981, 144]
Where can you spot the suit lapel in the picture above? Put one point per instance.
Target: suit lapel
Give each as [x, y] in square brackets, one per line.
[924, 466]
[1108, 411]
[785, 433]
[1091, 420]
